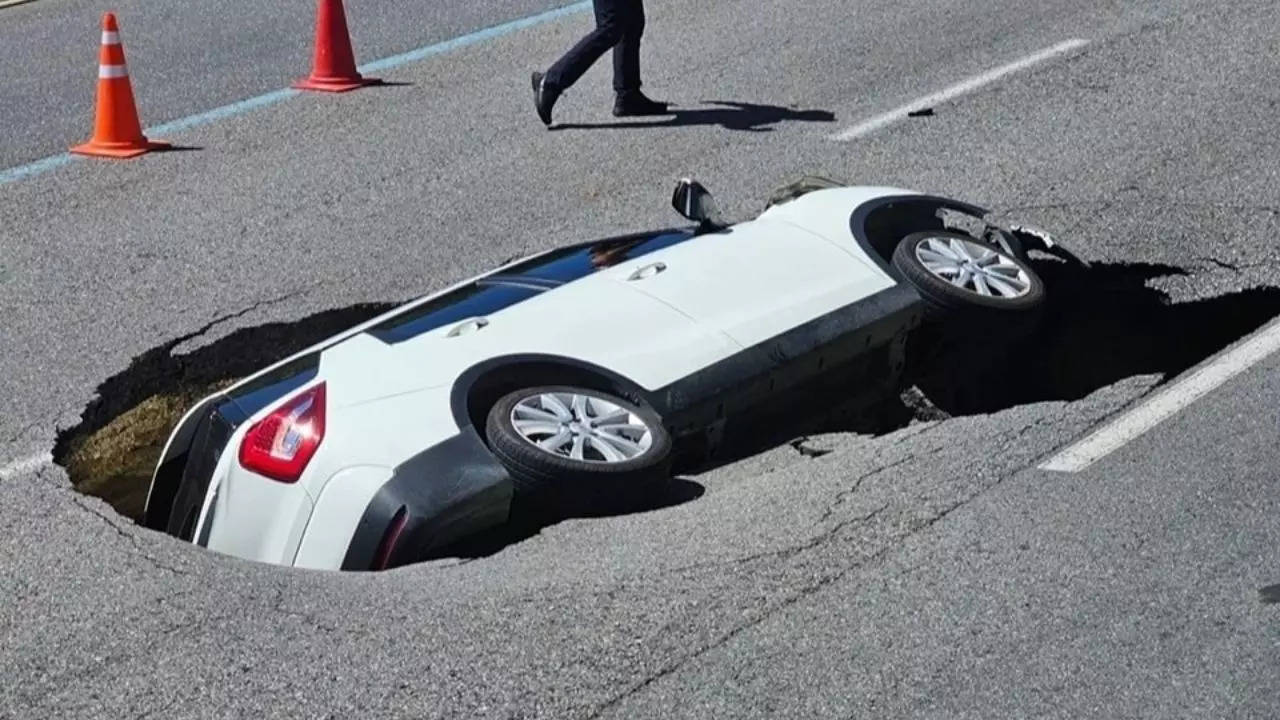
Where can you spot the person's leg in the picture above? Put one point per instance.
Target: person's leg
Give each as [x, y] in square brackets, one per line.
[566, 71]
[609, 31]
[626, 54]
[626, 66]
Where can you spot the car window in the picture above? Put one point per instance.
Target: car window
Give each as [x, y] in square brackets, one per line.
[260, 392]
[472, 300]
[495, 292]
[571, 263]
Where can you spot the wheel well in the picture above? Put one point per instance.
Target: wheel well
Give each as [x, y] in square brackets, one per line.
[888, 224]
[884, 224]
[496, 381]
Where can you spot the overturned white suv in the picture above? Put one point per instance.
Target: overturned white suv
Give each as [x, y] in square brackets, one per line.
[577, 371]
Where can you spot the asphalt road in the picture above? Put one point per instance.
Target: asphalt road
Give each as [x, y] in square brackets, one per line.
[930, 571]
[185, 58]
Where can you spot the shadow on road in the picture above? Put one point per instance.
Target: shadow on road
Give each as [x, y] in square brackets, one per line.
[528, 522]
[750, 117]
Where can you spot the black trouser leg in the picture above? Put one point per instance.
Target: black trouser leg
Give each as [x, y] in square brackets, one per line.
[626, 54]
[610, 28]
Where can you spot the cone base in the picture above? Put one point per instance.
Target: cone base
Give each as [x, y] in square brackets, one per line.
[335, 84]
[94, 149]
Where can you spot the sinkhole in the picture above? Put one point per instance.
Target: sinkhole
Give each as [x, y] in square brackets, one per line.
[1101, 324]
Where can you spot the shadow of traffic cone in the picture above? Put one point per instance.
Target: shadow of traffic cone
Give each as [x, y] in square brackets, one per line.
[334, 67]
[116, 130]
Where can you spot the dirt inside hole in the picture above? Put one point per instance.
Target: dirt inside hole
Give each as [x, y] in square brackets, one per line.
[113, 450]
[116, 462]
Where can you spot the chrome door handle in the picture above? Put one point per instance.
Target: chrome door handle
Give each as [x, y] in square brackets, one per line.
[469, 325]
[648, 271]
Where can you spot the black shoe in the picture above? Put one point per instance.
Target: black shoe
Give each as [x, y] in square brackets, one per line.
[634, 103]
[544, 97]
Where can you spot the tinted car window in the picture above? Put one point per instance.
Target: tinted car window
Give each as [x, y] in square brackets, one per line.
[495, 292]
[571, 263]
[472, 300]
[257, 394]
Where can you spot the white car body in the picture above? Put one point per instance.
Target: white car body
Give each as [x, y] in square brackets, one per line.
[392, 401]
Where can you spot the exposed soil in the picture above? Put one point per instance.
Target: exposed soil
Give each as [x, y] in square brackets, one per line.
[116, 461]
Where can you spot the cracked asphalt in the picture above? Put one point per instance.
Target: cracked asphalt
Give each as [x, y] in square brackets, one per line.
[926, 571]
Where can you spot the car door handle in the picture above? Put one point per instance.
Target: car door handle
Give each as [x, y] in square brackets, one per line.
[469, 325]
[648, 271]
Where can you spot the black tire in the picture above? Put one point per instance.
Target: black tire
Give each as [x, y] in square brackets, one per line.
[946, 299]
[540, 476]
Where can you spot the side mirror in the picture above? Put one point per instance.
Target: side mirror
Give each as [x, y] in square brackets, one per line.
[694, 202]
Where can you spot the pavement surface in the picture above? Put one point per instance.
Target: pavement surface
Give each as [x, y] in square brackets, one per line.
[189, 57]
[929, 570]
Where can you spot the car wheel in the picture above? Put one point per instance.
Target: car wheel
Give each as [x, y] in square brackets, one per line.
[572, 443]
[956, 274]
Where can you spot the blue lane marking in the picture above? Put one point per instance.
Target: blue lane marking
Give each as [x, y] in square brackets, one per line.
[225, 111]
[237, 108]
[35, 168]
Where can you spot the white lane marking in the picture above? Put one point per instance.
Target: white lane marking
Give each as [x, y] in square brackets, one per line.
[1167, 401]
[25, 465]
[961, 88]
[112, 71]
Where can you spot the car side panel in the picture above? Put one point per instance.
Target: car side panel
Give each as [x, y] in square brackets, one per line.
[755, 280]
[594, 319]
[383, 432]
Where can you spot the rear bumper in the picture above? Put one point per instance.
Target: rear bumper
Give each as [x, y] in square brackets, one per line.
[442, 494]
[201, 495]
[439, 495]
[195, 447]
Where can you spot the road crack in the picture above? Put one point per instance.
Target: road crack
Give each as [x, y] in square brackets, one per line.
[857, 484]
[215, 322]
[804, 592]
[817, 585]
[1237, 268]
[802, 446]
[133, 540]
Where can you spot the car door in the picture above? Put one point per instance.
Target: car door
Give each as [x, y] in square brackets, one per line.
[753, 281]
[606, 324]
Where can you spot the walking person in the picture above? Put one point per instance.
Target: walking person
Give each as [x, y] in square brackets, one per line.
[619, 25]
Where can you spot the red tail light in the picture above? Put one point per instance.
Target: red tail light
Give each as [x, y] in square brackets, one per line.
[281, 444]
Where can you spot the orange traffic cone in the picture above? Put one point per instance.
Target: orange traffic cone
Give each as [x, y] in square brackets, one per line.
[334, 67]
[116, 130]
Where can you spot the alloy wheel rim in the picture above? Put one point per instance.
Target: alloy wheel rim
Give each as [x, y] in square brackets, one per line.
[581, 427]
[972, 267]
